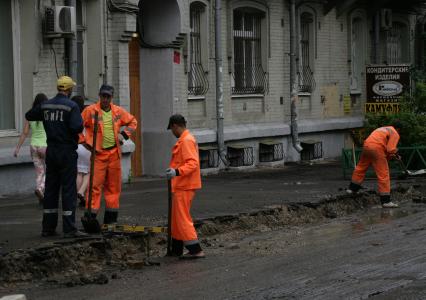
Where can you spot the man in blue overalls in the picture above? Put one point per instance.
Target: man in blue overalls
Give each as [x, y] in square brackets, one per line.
[62, 122]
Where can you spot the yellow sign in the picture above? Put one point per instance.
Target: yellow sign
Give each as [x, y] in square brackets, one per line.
[347, 104]
[389, 108]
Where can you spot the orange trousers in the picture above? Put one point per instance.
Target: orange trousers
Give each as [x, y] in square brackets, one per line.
[107, 176]
[375, 156]
[182, 225]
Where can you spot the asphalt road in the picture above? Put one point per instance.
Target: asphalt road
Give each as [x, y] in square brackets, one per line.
[144, 201]
[378, 254]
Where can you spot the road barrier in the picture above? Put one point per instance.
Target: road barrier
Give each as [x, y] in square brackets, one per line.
[413, 157]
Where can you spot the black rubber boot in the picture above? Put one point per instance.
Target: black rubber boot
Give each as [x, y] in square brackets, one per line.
[110, 217]
[385, 199]
[194, 248]
[177, 247]
[354, 187]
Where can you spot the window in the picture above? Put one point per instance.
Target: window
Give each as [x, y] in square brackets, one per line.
[397, 50]
[306, 75]
[358, 45]
[7, 72]
[249, 76]
[198, 83]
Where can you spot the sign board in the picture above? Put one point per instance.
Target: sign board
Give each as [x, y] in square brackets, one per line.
[347, 104]
[386, 85]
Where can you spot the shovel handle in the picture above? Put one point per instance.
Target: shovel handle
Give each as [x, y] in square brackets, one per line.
[169, 220]
[92, 162]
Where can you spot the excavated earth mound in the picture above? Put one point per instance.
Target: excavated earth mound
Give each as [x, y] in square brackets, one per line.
[97, 260]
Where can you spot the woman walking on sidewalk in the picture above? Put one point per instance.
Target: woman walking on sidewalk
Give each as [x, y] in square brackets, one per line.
[37, 147]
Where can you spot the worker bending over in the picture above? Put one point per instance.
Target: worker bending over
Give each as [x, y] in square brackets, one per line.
[378, 148]
[184, 172]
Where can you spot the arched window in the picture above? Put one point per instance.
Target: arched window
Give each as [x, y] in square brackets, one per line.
[198, 84]
[306, 51]
[249, 51]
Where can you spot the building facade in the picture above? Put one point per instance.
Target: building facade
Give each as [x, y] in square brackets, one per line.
[160, 57]
[335, 41]
[32, 59]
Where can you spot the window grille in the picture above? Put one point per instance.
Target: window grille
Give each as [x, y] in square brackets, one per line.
[270, 151]
[397, 44]
[248, 76]
[311, 150]
[198, 83]
[306, 76]
[239, 156]
[209, 157]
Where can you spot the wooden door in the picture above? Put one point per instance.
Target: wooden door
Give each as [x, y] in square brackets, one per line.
[135, 104]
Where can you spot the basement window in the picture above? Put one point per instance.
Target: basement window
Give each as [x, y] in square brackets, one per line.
[239, 156]
[270, 151]
[209, 157]
[311, 150]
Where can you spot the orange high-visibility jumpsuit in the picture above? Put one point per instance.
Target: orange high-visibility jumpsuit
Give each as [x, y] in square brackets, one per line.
[377, 149]
[107, 172]
[185, 159]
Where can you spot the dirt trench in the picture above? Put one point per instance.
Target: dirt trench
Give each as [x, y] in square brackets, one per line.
[100, 259]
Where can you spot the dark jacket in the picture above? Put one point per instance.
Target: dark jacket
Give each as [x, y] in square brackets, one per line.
[61, 119]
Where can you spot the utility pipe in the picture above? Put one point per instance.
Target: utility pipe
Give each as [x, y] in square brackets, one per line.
[293, 76]
[72, 48]
[219, 83]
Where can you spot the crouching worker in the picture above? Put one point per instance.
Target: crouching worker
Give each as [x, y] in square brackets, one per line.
[184, 172]
[378, 148]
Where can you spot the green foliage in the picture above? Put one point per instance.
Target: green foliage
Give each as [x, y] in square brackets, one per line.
[413, 132]
[412, 114]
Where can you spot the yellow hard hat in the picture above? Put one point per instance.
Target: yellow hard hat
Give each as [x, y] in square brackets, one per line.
[65, 83]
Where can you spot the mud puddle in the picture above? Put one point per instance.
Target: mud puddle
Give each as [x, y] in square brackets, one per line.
[100, 259]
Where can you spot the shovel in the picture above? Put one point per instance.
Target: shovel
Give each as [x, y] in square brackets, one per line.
[169, 220]
[90, 223]
[408, 172]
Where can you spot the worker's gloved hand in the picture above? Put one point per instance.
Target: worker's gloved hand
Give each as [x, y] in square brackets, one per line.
[170, 173]
[122, 136]
[395, 156]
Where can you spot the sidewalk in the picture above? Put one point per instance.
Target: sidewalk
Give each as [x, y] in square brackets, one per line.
[144, 202]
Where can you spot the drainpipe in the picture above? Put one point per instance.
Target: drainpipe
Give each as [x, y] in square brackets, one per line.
[293, 76]
[71, 44]
[377, 38]
[219, 83]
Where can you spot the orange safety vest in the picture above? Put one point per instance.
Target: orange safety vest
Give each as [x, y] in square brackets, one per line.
[185, 158]
[385, 138]
[120, 118]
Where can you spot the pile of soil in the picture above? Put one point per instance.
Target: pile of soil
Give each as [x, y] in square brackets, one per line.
[96, 260]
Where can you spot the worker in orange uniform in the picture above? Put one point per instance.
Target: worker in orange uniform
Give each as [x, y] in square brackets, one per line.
[107, 172]
[184, 172]
[378, 148]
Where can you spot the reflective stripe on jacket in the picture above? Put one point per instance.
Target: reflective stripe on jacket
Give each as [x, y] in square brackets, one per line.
[185, 158]
[120, 118]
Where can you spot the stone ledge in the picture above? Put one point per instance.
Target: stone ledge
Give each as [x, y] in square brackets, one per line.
[250, 131]
[7, 158]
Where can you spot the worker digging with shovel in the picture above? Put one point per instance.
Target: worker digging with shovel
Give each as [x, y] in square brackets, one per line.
[378, 148]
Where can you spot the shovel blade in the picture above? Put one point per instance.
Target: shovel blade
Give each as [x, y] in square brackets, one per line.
[418, 172]
[90, 224]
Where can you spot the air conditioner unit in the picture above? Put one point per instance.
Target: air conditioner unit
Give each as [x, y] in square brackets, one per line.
[386, 18]
[60, 20]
